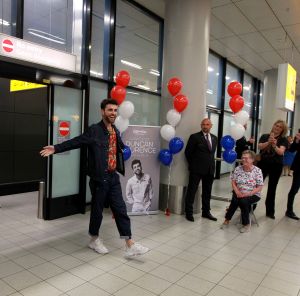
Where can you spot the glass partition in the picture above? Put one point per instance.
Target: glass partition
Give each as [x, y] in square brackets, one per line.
[8, 17]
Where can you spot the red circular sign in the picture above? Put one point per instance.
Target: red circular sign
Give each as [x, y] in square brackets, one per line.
[7, 45]
[64, 128]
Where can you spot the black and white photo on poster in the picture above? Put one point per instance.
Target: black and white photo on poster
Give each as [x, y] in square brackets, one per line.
[140, 185]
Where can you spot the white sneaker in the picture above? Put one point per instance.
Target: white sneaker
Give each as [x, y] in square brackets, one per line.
[245, 229]
[98, 246]
[135, 250]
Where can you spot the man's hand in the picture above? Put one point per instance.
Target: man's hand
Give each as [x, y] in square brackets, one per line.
[47, 151]
[297, 137]
[251, 141]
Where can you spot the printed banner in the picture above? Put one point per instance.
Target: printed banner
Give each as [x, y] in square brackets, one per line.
[140, 186]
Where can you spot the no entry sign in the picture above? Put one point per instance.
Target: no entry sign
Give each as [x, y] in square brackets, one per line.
[7, 45]
[64, 128]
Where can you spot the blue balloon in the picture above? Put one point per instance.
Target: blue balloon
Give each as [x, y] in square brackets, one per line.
[227, 142]
[175, 145]
[165, 156]
[126, 152]
[229, 156]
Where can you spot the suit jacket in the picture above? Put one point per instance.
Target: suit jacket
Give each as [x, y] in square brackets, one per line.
[296, 163]
[200, 159]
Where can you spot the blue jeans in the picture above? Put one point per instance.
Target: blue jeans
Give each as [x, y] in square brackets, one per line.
[244, 204]
[108, 192]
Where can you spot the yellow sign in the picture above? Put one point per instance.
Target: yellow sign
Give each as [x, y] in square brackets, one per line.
[17, 85]
[290, 91]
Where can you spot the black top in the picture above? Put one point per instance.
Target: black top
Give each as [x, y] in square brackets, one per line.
[296, 163]
[199, 157]
[269, 154]
[241, 145]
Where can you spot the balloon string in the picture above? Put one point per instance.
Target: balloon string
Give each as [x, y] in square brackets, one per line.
[169, 182]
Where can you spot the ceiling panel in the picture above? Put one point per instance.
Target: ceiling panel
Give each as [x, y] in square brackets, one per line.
[231, 16]
[221, 49]
[256, 41]
[236, 44]
[219, 29]
[215, 3]
[287, 11]
[277, 38]
[255, 60]
[259, 13]
[272, 58]
[294, 33]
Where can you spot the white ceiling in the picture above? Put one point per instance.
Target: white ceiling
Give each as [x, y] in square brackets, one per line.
[255, 35]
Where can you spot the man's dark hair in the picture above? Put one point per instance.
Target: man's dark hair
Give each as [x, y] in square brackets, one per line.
[106, 102]
[135, 161]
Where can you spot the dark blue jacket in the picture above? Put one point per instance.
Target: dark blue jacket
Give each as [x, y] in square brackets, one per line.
[96, 138]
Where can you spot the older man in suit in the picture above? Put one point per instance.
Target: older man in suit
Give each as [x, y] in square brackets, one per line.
[199, 152]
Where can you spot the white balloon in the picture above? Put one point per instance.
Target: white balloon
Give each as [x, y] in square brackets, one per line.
[126, 109]
[241, 117]
[167, 132]
[121, 123]
[173, 117]
[237, 131]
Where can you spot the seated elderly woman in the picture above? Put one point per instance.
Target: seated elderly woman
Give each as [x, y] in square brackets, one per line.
[247, 183]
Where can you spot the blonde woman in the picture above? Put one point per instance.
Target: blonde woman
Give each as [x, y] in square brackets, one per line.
[272, 147]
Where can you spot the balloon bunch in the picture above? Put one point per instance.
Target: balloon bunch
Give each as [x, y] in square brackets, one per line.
[167, 131]
[126, 109]
[237, 130]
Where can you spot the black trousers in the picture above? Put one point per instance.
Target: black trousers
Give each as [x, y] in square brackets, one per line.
[194, 180]
[293, 191]
[273, 170]
[244, 204]
[108, 192]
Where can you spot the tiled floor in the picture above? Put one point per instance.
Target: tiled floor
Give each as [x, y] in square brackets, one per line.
[51, 258]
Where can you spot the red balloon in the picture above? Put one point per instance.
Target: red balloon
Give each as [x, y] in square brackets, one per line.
[236, 103]
[174, 86]
[122, 78]
[180, 102]
[118, 93]
[234, 88]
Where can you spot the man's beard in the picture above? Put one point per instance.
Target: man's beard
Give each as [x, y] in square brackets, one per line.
[110, 119]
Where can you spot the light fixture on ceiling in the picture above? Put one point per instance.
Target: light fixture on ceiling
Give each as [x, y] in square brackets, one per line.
[154, 72]
[210, 69]
[131, 64]
[209, 91]
[4, 22]
[97, 74]
[143, 87]
[227, 77]
[246, 87]
[47, 36]
[133, 93]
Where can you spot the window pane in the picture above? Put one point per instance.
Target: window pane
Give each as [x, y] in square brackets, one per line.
[137, 44]
[56, 24]
[8, 16]
[65, 170]
[261, 99]
[97, 39]
[232, 73]
[214, 82]
[248, 93]
[146, 108]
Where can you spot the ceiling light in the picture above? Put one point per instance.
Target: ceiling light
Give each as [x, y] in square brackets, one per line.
[131, 64]
[133, 93]
[47, 36]
[143, 86]
[4, 22]
[209, 91]
[98, 74]
[246, 87]
[154, 72]
[213, 106]
[227, 77]
[217, 73]
[210, 69]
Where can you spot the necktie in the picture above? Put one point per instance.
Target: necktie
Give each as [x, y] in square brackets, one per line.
[208, 142]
